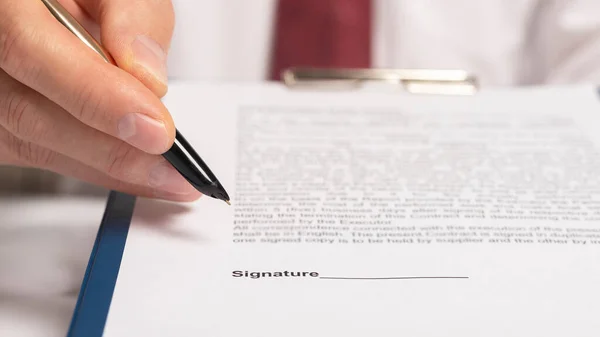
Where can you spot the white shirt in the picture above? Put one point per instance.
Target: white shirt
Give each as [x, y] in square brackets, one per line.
[514, 42]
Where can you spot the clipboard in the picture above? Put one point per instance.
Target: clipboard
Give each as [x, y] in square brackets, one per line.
[414, 81]
[96, 291]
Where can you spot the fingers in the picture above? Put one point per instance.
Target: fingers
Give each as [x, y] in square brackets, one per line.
[43, 135]
[39, 52]
[138, 35]
[31, 155]
[68, 167]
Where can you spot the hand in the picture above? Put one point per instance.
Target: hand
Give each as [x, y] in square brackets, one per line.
[64, 109]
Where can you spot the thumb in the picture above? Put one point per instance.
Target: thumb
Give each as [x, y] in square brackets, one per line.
[138, 34]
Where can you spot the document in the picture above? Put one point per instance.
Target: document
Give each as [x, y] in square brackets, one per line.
[374, 214]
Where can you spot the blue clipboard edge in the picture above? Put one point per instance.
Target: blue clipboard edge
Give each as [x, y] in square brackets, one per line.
[95, 294]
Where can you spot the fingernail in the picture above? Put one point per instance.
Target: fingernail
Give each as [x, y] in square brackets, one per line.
[143, 132]
[164, 177]
[150, 55]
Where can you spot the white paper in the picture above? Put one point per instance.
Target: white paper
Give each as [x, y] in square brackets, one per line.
[374, 215]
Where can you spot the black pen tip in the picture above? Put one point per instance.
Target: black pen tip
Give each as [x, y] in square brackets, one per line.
[228, 203]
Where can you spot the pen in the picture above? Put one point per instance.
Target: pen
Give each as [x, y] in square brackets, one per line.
[181, 155]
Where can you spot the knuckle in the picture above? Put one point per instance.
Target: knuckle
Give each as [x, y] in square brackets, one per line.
[118, 160]
[15, 35]
[30, 154]
[15, 107]
[12, 110]
[18, 115]
[87, 103]
[10, 35]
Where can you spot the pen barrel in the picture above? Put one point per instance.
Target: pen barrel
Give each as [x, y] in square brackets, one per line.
[67, 20]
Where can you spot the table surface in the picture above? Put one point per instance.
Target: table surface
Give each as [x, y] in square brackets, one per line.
[46, 235]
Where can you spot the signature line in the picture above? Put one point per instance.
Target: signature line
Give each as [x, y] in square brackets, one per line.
[392, 278]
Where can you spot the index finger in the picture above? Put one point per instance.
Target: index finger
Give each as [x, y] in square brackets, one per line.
[39, 52]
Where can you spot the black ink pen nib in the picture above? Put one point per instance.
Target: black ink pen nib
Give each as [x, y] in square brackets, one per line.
[221, 194]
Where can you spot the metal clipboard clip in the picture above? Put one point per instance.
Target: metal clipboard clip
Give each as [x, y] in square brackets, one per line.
[416, 81]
